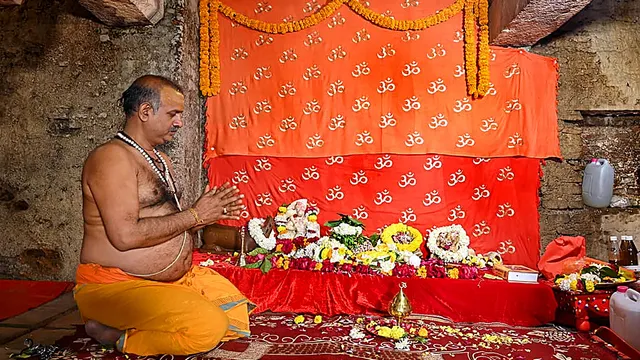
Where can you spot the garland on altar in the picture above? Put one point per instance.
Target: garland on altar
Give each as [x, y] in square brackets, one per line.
[476, 45]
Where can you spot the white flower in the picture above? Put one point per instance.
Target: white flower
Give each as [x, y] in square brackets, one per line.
[255, 231]
[414, 261]
[208, 262]
[356, 333]
[403, 344]
[446, 255]
[387, 266]
[565, 285]
[593, 277]
[346, 229]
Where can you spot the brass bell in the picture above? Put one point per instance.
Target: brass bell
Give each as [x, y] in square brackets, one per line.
[400, 306]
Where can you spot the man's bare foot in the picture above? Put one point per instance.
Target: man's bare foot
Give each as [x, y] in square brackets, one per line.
[102, 333]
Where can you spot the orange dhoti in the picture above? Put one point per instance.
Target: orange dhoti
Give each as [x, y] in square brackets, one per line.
[188, 316]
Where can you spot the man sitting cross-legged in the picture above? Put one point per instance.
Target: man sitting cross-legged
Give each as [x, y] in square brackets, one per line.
[136, 287]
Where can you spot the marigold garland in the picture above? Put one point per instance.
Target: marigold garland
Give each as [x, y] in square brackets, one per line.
[475, 14]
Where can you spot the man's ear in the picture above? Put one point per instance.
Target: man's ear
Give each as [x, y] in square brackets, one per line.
[145, 111]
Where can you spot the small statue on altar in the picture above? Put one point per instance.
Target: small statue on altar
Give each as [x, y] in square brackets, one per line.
[297, 220]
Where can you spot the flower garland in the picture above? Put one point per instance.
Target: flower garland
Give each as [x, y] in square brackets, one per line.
[475, 13]
[445, 253]
[393, 231]
[255, 230]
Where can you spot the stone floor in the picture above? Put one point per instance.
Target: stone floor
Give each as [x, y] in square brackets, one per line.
[44, 325]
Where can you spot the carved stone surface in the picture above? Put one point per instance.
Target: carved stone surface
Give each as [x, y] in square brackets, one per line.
[125, 12]
[10, 2]
[524, 23]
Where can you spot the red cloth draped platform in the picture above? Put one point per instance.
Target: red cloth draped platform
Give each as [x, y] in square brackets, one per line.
[19, 296]
[312, 292]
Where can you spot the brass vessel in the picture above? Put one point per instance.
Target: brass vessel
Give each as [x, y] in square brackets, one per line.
[400, 307]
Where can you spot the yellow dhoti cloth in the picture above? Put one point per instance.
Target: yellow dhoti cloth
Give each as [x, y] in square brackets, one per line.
[188, 316]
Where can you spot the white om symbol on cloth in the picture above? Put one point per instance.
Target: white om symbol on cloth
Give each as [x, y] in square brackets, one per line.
[407, 179]
[360, 213]
[239, 121]
[506, 247]
[412, 103]
[360, 36]
[238, 88]
[336, 88]
[386, 50]
[431, 198]
[287, 185]
[506, 174]
[359, 177]
[515, 141]
[337, 53]
[436, 51]
[288, 124]
[361, 69]
[478, 161]
[387, 120]
[488, 125]
[263, 72]
[414, 138]
[456, 213]
[436, 86]
[456, 178]
[362, 103]
[481, 228]
[310, 173]
[432, 163]
[315, 141]
[513, 105]
[334, 160]
[287, 89]
[312, 72]
[239, 54]
[459, 71]
[411, 68]
[313, 39]
[438, 121]
[408, 216]
[465, 140]
[505, 210]
[337, 122]
[240, 176]
[383, 162]
[262, 106]
[262, 165]
[364, 138]
[386, 85]
[511, 71]
[462, 105]
[335, 193]
[265, 141]
[383, 197]
[263, 199]
[288, 55]
[312, 107]
[480, 192]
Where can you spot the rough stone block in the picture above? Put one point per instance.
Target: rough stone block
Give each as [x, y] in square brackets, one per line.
[571, 146]
[126, 12]
[10, 2]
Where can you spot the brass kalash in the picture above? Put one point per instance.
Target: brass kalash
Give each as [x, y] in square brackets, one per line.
[400, 307]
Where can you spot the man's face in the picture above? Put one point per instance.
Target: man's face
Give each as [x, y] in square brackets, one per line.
[168, 119]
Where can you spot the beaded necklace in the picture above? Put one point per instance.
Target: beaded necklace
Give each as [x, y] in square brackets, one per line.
[166, 179]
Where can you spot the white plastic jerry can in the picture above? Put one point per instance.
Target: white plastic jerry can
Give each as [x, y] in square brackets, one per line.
[597, 183]
[624, 315]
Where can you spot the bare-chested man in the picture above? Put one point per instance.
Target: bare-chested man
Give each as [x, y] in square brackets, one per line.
[136, 285]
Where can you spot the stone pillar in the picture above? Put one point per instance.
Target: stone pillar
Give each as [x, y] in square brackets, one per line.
[124, 12]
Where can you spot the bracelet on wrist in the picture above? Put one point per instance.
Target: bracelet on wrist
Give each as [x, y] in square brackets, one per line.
[195, 216]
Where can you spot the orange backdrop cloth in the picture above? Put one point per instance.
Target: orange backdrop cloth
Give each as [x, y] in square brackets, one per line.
[346, 86]
[495, 200]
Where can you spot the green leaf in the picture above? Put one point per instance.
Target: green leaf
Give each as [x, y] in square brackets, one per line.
[257, 251]
[607, 271]
[254, 265]
[422, 340]
[266, 266]
[374, 237]
[333, 223]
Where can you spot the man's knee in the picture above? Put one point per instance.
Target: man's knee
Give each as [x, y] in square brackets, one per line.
[207, 329]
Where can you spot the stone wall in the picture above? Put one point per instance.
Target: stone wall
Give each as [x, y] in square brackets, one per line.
[61, 74]
[599, 109]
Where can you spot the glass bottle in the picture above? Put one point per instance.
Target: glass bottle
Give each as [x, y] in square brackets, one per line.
[614, 250]
[631, 249]
[625, 260]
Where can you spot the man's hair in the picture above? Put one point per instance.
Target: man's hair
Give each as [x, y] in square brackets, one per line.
[145, 89]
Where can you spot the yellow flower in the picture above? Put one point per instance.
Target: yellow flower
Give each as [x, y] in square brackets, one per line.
[317, 319]
[590, 286]
[412, 331]
[282, 229]
[279, 247]
[312, 218]
[397, 332]
[422, 272]
[359, 320]
[282, 209]
[298, 319]
[279, 262]
[393, 229]
[423, 332]
[326, 253]
[453, 273]
[574, 285]
[318, 266]
[384, 331]
[286, 264]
